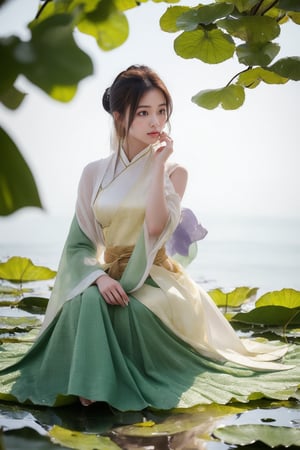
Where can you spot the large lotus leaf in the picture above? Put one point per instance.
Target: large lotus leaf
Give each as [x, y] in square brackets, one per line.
[234, 298]
[17, 185]
[12, 98]
[20, 269]
[254, 29]
[52, 59]
[211, 47]
[81, 441]
[229, 97]
[168, 21]
[287, 67]
[257, 54]
[289, 5]
[203, 14]
[107, 24]
[252, 77]
[268, 434]
[270, 315]
[289, 298]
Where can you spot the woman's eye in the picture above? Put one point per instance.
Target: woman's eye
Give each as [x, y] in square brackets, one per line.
[163, 111]
[142, 113]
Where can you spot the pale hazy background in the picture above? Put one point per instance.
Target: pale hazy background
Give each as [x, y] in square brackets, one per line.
[243, 164]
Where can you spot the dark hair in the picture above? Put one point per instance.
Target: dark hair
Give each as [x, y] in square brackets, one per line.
[127, 91]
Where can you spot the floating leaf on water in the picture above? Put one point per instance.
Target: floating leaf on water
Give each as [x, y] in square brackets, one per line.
[21, 269]
[268, 434]
[81, 441]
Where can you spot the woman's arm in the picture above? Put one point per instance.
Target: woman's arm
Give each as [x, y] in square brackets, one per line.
[157, 213]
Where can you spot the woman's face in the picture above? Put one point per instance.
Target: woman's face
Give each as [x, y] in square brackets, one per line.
[149, 121]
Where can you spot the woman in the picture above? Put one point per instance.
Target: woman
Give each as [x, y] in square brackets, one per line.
[125, 324]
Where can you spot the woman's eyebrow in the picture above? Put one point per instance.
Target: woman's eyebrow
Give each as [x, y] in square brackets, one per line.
[149, 106]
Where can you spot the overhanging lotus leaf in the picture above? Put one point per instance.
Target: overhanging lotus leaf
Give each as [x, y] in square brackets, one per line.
[295, 17]
[211, 46]
[252, 77]
[257, 54]
[289, 5]
[287, 67]
[229, 97]
[19, 269]
[243, 5]
[203, 14]
[110, 32]
[51, 59]
[254, 29]
[17, 185]
[12, 98]
[289, 298]
[168, 21]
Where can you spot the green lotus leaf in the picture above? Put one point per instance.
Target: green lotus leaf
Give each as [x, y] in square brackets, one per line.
[252, 77]
[254, 29]
[52, 58]
[124, 5]
[80, 441]
[10, 70]
[270, 315]
[234, 298]
[110, 30]
[257, 54]
[244, 5]
[289, 5]
[295, 17]
[12, 98]
[268, 434]
[168, 21]
[289, 298]
[211, 47]
[19, 269]
[229, 97]
[203, 14]
[34, 305]
[287, 67]
[17, 185]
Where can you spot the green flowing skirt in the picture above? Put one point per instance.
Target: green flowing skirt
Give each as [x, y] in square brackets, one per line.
[127, 357]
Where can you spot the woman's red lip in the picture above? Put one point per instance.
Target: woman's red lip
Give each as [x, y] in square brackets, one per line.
[154, 133]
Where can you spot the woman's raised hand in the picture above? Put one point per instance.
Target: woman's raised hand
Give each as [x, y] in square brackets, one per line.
[112, 291]
[165, 150]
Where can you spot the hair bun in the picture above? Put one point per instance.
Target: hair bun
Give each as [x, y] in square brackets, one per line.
[106, 100]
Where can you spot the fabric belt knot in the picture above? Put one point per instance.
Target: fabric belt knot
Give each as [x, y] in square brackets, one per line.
[117, 259]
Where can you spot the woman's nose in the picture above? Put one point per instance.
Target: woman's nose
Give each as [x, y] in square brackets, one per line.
[154, 120]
